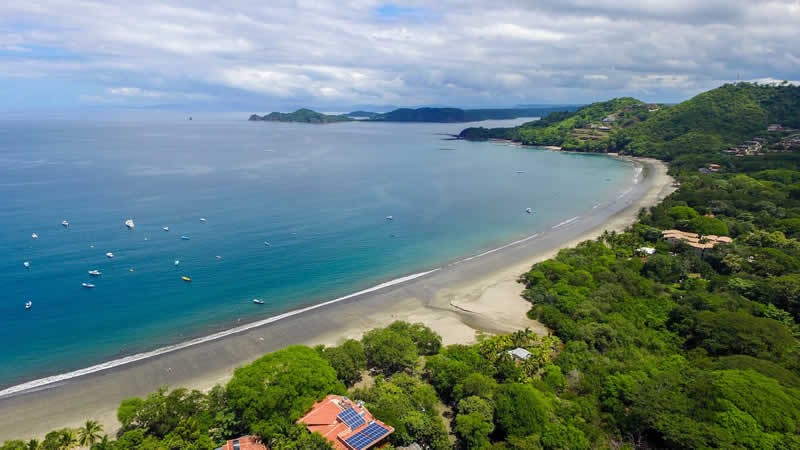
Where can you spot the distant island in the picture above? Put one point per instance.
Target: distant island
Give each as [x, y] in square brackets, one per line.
[301, 115]
[437, 115]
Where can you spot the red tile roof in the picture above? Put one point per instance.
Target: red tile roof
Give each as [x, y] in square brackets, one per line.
[245, 443]
[322, 418]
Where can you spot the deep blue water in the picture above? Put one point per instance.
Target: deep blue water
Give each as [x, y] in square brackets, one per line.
[318, 194]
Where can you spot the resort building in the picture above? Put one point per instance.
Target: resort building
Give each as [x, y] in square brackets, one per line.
[244, 443]
[520, 354]
[699, 243]
[346, 424]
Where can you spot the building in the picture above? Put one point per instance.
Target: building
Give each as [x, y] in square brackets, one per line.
[646, 251]
[346, 424]
[610, 118]
[774, 127]
[244, 443]
[714, 167]
[603, 128]
[520, 354]
[700, 244]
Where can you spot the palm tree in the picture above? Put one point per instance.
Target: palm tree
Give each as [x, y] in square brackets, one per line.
[67, 439]
[33, 444]
[89, 433]
[103, 444]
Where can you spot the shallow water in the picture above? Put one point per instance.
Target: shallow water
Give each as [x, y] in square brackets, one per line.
[319, 195]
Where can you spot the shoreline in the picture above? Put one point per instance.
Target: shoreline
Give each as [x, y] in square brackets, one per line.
[478, 293]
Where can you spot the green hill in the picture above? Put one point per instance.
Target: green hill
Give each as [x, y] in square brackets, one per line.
[301, 115]
[454, 115]
[705, 124]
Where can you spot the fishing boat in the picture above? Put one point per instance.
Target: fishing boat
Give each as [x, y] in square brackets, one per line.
[218, 257]
[202, 219]
[187, 279]
[185, 238]
[129, 223]
[177, 261]
[109, 255]
[35, 236]
[258, 301]
[28, 304]
[26, 264]
[95, 273]
[87, 285]
[165, 228]
[389, 217]
[65, 223]
[528, 210]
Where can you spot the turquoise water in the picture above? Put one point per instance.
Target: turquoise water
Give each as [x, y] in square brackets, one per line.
[318, 194]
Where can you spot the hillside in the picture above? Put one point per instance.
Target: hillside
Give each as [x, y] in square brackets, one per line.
[454, 115]
[705, 124]
[301, 115]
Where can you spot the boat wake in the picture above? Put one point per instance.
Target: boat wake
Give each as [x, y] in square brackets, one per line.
[44, 382]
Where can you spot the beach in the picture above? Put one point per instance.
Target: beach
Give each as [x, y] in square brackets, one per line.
[458, 299]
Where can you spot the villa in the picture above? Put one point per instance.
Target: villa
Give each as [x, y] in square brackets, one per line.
[244, 443]
[346, 424]
[699, 243]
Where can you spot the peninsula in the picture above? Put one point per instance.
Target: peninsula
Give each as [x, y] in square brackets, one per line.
[301, 115]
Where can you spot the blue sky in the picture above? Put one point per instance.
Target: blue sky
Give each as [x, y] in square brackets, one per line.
[334, 55]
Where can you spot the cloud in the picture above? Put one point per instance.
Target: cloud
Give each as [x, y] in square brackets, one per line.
[326, 53]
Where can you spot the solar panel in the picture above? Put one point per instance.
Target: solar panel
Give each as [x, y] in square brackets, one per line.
[351, 418]
[376, 431]
[359, 441]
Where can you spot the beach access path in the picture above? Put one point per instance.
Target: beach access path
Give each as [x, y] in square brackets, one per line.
[456, 300]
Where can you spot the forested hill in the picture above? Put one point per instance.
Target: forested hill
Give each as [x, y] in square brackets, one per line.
[453, 115]
[301, 115]
[709, 122]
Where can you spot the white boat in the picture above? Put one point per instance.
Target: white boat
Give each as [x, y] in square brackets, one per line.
[389, 217]
[218, 257]
[65, 223]
[258, 301]
[109, 255]
[26, 264]
[528, 210]
[28, 304]
[87, 285]
[185, 238]
[165, 228]
[129, 223]
[35, 236]
[177, 261]
[267, 244]
[202, 219]
[95, 273]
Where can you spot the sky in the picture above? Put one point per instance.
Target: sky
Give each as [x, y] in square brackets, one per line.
[239, 55]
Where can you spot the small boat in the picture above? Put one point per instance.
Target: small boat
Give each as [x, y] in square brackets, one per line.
[65, 223]
[28, 304]
[26, 264]
[87, 285]
[177, 261]
[35, 236]
[146, 238]
[185, 238]
[258, 301]
[165, 228]
[267, 244]
[202, 219]
[129, 223]
[131, 270]
[187, 279]
[528, 210]
[109, 255]
[95, 273]
[218, 257]
[389, 217]
[520, 171]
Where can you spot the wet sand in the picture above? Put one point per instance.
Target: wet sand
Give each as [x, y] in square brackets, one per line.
[478, 294]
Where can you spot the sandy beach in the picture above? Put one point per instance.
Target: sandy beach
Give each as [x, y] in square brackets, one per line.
[477, 294]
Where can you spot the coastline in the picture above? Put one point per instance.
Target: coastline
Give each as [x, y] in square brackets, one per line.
[479, 293]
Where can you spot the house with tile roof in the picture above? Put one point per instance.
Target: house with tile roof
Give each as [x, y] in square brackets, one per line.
[244, 443]
[346, 424]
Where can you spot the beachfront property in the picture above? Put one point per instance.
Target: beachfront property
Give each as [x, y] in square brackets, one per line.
[519, 353]
[244, 443]
[345, 423]
[699, 243]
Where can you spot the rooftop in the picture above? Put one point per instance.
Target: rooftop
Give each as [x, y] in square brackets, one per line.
[345, 423]
[694, 239]
[520, 353]
[244, 443]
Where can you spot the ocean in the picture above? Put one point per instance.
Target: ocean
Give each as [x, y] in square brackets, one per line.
[295, 215]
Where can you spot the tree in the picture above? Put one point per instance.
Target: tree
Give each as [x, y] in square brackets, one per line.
[473, 430]
[521, 410]
[103, 444]
[347, 359]
[388, 350]
[708, 226]
[428, 342]
[89, 433]
[280, 387]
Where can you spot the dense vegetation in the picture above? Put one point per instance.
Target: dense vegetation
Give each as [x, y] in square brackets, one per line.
[452, 115]
[301, 115]
[665, 350]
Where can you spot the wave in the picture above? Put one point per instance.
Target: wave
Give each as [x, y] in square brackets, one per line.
[566, 222]
[497, 249]
[42, 382]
